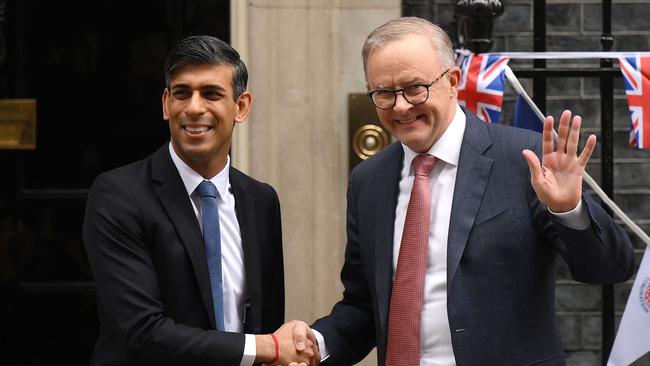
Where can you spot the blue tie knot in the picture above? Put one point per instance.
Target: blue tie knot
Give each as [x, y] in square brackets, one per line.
[207, 189]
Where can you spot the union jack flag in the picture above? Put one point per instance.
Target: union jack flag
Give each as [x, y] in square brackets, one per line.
[481, 85]
[636, 76]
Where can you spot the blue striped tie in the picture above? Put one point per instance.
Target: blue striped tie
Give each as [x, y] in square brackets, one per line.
[212, 239]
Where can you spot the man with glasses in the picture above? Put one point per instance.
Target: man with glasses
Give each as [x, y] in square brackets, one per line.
[454, 231]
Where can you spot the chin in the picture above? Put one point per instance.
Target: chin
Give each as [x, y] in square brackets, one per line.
[417, 144]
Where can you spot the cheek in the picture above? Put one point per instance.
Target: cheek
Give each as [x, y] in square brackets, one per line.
[384, 116]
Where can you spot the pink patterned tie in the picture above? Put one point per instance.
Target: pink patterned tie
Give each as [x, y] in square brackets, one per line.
[408, 284]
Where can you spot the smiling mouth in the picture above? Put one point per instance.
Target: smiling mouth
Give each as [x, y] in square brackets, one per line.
[410, 120]
[196, 129]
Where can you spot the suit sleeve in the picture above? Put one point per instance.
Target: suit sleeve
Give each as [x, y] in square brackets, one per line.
[349, 329]
[599, 254]
[273, 271]
[128, 291]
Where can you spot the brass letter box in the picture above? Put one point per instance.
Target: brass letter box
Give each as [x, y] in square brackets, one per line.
[366, 135]
[18, 124]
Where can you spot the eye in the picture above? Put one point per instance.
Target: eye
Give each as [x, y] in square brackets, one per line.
[212, 95]
[181, 94]
[384, 94]
[415, 89]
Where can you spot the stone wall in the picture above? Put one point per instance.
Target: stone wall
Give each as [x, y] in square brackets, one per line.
[304, 58]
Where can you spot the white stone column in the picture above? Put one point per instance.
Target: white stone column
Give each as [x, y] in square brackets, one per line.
[304, 58]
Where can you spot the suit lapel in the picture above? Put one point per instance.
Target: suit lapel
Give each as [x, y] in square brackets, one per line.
[386, 180]
[471, 180]
[245, 210]
[171, 191]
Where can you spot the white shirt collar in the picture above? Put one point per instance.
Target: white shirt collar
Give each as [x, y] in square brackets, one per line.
[447, 148]
[192, 179]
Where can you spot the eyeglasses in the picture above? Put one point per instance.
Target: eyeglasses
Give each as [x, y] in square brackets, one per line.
[414, 94]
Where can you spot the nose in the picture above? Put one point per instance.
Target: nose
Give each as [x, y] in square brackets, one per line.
[195, 106]
[401, 104]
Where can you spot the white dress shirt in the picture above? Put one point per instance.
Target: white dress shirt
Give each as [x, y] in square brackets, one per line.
[232, 253]
[435, 334]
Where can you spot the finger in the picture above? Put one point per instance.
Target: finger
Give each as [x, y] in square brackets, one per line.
[563, 130]
[574, 136]
[590, 145]
[310, 350]
[300, 330]
[547, 136]
[312, 336]
[533, 163]
[316, 360]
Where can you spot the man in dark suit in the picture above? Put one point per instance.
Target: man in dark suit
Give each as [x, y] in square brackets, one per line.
[186, 251]
[453, 235]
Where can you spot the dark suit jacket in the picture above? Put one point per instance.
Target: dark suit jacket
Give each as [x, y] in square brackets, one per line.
[502, 248]
[148, 260]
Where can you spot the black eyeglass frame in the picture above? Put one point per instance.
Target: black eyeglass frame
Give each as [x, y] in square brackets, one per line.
[395, 91]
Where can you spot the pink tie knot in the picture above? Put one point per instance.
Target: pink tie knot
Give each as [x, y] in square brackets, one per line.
[422, 164]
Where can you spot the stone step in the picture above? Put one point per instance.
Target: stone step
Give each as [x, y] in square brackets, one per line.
[628, 172]
[634, 202]
[621, 148]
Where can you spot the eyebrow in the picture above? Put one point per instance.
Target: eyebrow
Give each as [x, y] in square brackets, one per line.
[412, 81]
[208, 87]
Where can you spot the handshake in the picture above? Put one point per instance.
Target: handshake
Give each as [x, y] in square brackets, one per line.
[293, 344]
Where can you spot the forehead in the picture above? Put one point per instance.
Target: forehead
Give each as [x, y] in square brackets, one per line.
[204, 74]
[410, 59]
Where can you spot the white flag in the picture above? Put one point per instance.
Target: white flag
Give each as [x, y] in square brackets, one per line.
[633, 336]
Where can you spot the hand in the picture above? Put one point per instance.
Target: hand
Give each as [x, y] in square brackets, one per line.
[302, 337]
[307, 355]
[557, 181]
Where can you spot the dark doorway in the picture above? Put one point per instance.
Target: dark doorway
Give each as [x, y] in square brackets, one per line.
[95, 69]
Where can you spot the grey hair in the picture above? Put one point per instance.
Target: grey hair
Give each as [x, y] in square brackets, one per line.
[400, 28]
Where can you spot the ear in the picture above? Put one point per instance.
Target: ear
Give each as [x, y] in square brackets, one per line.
[454, 80]
[165, 104]
[243, 106]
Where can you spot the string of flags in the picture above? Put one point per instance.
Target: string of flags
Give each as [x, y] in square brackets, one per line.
[482, 85]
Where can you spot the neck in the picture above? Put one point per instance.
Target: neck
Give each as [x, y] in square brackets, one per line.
[208, 169]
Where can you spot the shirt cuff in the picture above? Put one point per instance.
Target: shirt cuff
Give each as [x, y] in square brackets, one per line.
[577, 219]
[322, 347]
[248, 358]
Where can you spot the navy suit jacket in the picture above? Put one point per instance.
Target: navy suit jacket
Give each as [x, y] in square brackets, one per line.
[501, 253]
[148, 260]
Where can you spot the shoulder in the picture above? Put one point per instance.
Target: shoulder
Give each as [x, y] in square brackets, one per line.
[134, 179]
[127, 175]
[239, 180]
[389, 156]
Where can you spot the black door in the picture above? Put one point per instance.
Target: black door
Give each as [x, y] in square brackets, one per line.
[95, 69]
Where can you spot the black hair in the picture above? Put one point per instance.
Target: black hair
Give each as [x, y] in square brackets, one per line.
[200, 50]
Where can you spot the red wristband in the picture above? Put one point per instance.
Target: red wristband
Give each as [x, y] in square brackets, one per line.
[277, 349]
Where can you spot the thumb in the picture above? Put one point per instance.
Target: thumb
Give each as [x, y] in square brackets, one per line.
[533, 163]
[300, 335]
